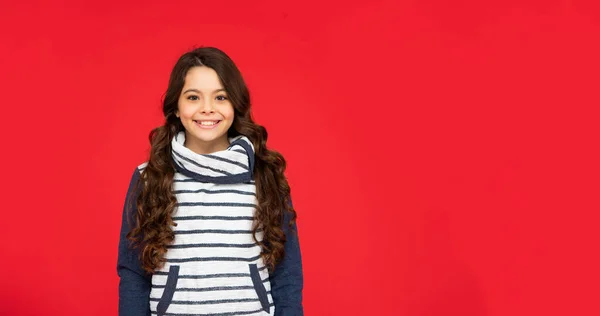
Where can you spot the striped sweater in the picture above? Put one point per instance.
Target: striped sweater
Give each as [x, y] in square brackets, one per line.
[213, 267]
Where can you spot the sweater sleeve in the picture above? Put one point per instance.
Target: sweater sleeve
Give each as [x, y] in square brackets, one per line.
[134, 282]
[287, 279]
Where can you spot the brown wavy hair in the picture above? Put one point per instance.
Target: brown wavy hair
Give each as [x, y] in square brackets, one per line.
[152, 230]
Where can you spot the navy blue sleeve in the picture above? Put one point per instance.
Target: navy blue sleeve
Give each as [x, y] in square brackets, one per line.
[287, 279]
[134, 282]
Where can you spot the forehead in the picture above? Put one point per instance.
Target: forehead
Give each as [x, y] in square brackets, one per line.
[202, 78]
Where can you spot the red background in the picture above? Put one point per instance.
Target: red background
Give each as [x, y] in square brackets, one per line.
[443, 154]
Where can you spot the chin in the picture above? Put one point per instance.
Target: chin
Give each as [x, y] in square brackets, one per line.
[208, 135]
[207, 138]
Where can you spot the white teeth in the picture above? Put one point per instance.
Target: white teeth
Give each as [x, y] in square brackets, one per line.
[207, 123]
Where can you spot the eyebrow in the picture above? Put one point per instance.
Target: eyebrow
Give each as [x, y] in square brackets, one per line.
[198, 91]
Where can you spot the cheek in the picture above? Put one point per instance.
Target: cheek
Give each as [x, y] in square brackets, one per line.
[229, 113]
[185, 112]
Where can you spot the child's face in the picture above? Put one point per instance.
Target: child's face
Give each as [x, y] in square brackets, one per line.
[205, 110]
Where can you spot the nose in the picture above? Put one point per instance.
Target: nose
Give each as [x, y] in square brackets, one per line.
[207, 106]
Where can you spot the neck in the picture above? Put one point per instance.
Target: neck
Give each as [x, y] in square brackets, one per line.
[201, 147]
[233, 164]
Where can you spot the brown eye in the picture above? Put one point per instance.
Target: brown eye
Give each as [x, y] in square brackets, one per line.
[192, 98]
[221, 98]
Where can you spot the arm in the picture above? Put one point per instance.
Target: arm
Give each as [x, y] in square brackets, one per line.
[287, 279]
[134, 284]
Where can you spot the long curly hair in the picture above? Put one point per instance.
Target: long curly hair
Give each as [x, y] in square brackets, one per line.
[152, 230]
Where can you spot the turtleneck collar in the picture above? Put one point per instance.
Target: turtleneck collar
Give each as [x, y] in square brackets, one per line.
[232, 165]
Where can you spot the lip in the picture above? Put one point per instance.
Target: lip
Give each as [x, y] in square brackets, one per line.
[207, 127]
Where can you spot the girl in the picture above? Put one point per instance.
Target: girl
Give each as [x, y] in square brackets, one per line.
[208, 226]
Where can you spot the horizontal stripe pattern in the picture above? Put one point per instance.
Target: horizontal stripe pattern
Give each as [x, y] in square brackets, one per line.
[248, 254]
[244, 304]
[221, 163]
[231, 161]
[197, 285]
[195, 259]
[195, 294]
[210, 238]
[185, 179]
[209, 268]
[230, 204]
[195, 166]
[209, 276]
[204, 302]
[205, 191]
[213, 231]
[215, 218]
[221, 210]
[257, 312]
[192, 181]
[190, 190]
[214, 245]
[213, 193]
[217, 227]
[211, 288]
[217, 245]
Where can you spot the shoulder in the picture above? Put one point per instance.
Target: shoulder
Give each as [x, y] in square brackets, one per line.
[134, 188]
[141, 167]
[137, 173]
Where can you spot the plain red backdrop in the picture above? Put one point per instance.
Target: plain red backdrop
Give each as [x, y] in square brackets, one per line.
[443, 154]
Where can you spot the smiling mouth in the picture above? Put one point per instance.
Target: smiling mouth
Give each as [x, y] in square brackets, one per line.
[207, 124]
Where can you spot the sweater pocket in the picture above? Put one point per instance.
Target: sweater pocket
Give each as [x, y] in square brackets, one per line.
[167, 296]
[259, 287]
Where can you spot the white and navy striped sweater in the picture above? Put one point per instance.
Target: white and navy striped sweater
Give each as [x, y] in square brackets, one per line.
[214, 267]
